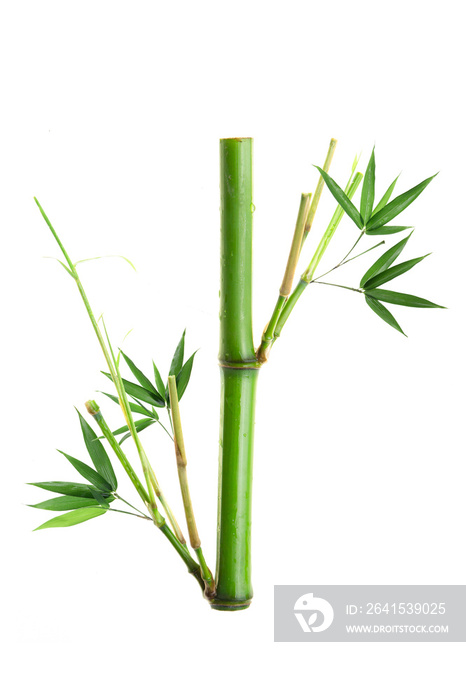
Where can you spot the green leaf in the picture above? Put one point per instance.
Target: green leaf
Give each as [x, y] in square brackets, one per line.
[385, 260]
[344, 201]
[101, 257]
[177, 361]
[386, 196]
[140, 425]
[135, 407]
[140, 376]
[73, 518]
[399, 204]
[386, 230]
[97, 453]
[138, 392]
[69, 488]
[184, 376]
[158, 380]
[368, 189]
[392, 272]
[402, 299]
[92, 476]
[383, 313]
[71, 502]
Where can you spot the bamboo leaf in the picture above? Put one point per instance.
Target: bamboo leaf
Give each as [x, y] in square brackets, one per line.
[402, 299]
[177, 360]
[368, 189]
[50, 257]
[69, 488]
[140, 376]
[384, 313]
[158, 380]
[73, 518]
[138, 392]
[140, 425]
[72, 502]
[92, 476]
[392, 272]
[385, 260]
[386, 230]
[345, 203]
[386, 196]
[184, 376]
[135, 407]
[399, 204]
[97, 453]
[101, 257]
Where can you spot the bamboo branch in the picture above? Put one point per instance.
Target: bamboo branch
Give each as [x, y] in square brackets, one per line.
[157, 517]
[151, 480]
[287, 283]
[182, 464]
[306, 214]
[306, 278]
[319, 188]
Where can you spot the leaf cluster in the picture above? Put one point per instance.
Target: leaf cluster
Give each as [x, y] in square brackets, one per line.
[83, 500]
[372, 221]
[154, 393]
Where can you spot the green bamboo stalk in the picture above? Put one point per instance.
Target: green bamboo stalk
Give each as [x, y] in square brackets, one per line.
[238, 372]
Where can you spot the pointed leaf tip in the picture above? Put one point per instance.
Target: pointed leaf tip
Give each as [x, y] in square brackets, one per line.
[402, 299]
[399, 204]
[368, 189]
[385, 260]
[383, 313]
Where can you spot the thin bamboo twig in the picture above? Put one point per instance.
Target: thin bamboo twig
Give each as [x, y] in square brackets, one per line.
[268, 336]
[287, 283]
[306, 277]
[151, 481]
[182, 463]
[158, 518]
[319, 188]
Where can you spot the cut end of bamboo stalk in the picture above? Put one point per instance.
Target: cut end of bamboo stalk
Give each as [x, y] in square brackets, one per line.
[92, 407]
[237, 138]
[230, 605]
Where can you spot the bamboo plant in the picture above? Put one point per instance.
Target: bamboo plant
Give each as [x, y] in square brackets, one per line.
[240, 361]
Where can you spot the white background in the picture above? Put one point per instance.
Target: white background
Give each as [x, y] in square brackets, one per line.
[111, 116]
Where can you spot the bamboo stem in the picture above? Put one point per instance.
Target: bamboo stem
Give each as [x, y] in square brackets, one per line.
[239, 372]
[182, 463]
[151, 480]
[157, 517]
[306, 277]
[269, 335]
[319, 188]
[287, 283]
